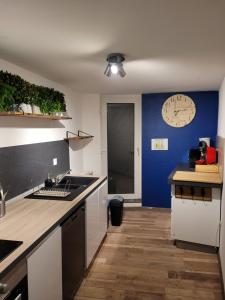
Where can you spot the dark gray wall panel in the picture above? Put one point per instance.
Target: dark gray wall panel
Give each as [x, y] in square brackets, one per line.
[24, 167]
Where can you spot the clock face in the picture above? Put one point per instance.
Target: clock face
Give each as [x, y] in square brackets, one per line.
[178, 110]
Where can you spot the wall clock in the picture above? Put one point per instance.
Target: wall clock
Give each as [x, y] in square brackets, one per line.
[178, 110]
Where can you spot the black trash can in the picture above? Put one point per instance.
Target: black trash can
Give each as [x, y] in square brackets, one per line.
[116, 210]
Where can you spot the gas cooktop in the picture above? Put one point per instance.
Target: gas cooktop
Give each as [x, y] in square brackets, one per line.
[7, 247]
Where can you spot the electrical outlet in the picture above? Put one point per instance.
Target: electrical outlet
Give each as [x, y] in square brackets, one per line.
[55, 161]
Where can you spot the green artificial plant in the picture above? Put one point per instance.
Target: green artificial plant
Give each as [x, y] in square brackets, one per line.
[48, 99]
[6, 97]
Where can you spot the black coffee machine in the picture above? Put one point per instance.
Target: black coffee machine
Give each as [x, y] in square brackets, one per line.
[197, 153]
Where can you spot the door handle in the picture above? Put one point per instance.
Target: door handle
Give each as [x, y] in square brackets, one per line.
[138, 151]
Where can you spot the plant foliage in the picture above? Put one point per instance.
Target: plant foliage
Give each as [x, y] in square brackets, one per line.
[6, 97]
[16, 90]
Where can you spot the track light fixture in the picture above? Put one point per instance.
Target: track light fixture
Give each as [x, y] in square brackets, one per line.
[115, 65]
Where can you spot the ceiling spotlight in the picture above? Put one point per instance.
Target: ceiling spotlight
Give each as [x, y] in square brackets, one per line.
[115, 65]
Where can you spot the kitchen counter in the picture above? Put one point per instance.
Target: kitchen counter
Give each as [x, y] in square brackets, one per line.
[31, 220]
[184, 175]
[195, 203]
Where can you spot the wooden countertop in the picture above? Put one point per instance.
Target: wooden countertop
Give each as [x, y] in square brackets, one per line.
[31, 220]
[197, 177]
[184, 175]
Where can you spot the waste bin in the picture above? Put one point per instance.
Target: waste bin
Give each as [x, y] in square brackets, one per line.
[116, 210]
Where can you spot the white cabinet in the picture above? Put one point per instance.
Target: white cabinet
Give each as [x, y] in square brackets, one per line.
[44, 266]
[196, 221]
[103, 206]
[96, 221]
[92, 227]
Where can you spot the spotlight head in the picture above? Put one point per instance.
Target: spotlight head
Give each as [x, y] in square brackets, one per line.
[114, 68]
[115, 65]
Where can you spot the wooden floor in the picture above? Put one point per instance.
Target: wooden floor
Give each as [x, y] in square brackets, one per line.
[139, 262]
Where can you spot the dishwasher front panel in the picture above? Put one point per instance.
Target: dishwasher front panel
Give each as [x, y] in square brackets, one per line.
[73, 253]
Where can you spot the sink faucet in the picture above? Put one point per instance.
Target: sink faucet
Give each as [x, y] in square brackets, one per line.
[58, 178]
[2, 203]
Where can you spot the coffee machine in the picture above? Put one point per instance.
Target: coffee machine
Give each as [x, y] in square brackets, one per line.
[202, 155]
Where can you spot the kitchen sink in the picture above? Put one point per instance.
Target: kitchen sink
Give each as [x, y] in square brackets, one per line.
[73, 183]
[8, 246]
[78, 181]
[67, 186]
[66, 190]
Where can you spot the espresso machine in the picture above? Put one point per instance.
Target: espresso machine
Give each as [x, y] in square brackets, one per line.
[202, 155]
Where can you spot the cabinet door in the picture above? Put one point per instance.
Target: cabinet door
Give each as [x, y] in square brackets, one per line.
[196, 221]
[103, 213]
[44, 267]
[92, 226]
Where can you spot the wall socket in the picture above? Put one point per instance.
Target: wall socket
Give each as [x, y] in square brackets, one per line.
[55, 161]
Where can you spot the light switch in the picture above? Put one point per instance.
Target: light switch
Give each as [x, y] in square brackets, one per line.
[55, 161]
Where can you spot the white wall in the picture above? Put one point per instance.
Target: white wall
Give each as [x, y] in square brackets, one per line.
[18, 131]
[221, 132]
[91, 123]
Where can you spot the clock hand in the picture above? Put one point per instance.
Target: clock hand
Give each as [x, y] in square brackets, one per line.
[180, 110]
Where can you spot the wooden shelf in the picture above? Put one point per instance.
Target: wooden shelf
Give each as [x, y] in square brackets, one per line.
[80, 135]
[34, 116]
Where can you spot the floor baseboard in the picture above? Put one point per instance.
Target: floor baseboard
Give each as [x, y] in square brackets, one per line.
[132, 204]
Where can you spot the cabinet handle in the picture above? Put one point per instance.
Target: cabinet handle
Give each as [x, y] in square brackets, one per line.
[73, 217]
[19, 297]
[3, 288]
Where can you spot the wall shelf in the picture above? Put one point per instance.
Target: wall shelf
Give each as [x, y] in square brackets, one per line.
[34, 116]
[80, 135]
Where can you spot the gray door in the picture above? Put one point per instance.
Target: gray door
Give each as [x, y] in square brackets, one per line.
[120, 138]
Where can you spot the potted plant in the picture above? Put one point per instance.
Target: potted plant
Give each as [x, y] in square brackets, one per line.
[57, 108]
[33, 99]
[30, 98]
[7, 102]
[58, 104]
[45, 106]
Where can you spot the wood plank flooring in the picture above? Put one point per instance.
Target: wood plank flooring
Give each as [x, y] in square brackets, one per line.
[139, 262]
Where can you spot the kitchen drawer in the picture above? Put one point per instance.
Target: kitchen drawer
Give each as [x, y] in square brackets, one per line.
[193, 192]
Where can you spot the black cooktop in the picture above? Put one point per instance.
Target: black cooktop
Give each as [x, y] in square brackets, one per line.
[7, 246]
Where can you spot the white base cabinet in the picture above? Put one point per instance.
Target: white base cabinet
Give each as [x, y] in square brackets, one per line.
[103, 213]
[96, 221]
[44, 267]
[196, 221]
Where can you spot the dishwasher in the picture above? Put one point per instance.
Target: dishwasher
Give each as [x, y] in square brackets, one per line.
[13, 285]
[73, 252]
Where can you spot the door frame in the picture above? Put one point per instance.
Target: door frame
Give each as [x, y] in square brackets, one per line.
[136, 100]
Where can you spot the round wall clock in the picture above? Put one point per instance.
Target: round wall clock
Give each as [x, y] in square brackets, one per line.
[178, 110]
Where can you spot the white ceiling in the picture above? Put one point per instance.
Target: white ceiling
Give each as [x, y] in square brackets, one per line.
[170, 45]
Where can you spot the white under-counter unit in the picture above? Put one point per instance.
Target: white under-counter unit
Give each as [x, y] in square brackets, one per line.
[44, 264]
[196, 221]
[44, 268]
[96, 221]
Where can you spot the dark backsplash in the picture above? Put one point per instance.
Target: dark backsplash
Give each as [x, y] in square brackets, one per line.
[24, 167]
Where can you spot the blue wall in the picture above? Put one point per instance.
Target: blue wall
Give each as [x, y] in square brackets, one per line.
[157, 165]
